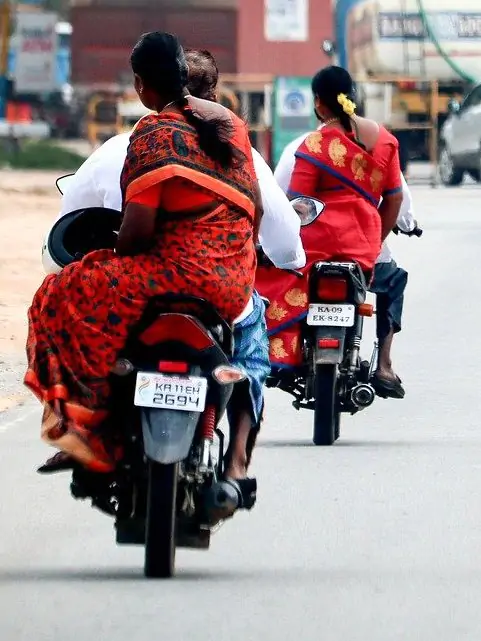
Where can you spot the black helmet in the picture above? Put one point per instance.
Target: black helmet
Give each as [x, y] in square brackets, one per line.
[79, 233]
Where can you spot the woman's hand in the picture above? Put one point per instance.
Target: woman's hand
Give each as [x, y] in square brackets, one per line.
[137, 231]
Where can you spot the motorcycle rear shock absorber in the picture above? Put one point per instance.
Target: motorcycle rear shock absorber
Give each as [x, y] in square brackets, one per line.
[207, 431]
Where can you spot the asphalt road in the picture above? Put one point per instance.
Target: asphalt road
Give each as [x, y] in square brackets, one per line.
[375, 539]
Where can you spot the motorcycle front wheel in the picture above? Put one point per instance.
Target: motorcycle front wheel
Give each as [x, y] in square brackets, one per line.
[326, 411]
[160, 521]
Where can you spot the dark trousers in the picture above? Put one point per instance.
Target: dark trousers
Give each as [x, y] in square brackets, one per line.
[389, 283]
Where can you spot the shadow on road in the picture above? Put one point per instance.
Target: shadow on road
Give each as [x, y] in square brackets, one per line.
[433, 442]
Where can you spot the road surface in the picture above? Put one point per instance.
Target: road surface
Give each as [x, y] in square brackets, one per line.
[375, 539]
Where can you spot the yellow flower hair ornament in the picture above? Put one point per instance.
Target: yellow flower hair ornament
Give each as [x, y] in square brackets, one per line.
[348, 106]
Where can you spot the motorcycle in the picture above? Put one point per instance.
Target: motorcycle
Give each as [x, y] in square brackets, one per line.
[170, 389]
[332, 379]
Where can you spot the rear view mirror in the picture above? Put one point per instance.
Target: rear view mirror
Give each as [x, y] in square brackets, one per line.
[308, 209]
[454, 107]
[63, 182]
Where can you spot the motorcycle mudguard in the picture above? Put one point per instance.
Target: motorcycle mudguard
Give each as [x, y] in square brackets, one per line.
[329, 355]
[168, 434]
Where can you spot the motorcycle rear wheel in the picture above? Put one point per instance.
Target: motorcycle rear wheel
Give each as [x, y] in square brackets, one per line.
[160, 521]
[326, 411]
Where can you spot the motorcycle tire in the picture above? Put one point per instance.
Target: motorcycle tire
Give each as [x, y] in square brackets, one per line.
[326, 410]
[160, 521]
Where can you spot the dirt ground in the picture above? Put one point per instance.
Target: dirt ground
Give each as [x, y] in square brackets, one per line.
[29, 203]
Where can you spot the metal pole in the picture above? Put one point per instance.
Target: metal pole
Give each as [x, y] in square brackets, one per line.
[5, 13]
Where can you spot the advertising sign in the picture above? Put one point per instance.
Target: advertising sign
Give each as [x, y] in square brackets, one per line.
[36, 51]
[293, 112]
[447, 26]
[286, 20]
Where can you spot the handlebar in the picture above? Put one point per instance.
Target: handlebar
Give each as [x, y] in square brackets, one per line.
[417, 231]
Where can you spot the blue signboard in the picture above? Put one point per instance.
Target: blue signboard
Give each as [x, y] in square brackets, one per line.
[293, 112]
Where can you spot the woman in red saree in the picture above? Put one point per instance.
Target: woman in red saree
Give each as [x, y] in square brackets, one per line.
[189, 211]
[350, 164]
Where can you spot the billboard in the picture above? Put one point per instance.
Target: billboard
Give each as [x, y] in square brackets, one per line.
[286, 20]
[36, 51]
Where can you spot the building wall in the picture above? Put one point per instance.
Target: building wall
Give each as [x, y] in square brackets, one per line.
[103, 37]
[170, 4]
[257, 55]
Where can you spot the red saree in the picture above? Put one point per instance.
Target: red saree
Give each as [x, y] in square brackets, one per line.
[79, 320]
[332, 168]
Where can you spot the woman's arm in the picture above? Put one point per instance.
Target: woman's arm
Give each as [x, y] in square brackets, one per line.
[392, 196]
[389, 212]
[304, 179]
[137, 232]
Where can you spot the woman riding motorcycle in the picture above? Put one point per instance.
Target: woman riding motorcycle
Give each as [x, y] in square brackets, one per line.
[189, 216]
[349, 165]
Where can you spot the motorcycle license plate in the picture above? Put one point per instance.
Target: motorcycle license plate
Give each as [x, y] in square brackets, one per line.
[170, 392]
[323, 314]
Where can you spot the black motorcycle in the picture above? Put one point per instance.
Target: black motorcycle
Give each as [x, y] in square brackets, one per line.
[170, 388]
[332, 378]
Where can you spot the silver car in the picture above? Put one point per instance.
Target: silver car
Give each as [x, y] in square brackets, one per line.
[460, 140]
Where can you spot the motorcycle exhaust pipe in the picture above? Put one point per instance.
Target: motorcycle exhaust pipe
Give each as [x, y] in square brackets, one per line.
[363, 395]
[221, 501]
[225, 497]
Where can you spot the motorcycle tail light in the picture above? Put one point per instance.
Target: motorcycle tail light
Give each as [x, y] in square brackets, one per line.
[332, 289]
[365, 310]
[173, 367]
[227, 374]
[177, 327]
[328, 343]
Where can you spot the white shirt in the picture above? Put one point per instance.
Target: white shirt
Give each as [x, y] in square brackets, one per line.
[97, 184]
[285, 168]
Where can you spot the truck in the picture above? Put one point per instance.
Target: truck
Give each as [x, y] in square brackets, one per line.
[397, 48]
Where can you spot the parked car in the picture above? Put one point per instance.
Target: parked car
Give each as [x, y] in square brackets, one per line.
[460, 140]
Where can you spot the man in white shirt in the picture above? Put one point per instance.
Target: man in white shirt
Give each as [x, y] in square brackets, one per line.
[388, 284]
[97, 184]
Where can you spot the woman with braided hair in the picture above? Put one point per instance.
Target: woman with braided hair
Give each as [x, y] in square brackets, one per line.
[349, 164]
[190, 199]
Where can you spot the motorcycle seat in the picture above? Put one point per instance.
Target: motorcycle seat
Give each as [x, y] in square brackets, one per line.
[192, 306]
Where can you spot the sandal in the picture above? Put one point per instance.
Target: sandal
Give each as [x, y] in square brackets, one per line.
[226, 497]
[387, 387]
[59, 462]
[246, 491]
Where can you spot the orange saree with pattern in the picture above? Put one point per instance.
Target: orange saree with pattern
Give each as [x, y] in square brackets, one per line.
[80, 319]
[333, 168]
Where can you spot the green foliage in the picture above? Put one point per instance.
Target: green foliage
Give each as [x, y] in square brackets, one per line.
[39, 155]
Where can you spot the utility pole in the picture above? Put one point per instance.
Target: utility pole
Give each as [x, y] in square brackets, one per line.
[5, 18]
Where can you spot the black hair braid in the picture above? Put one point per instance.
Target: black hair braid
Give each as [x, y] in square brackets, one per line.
[213, 135]
[344, 118]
